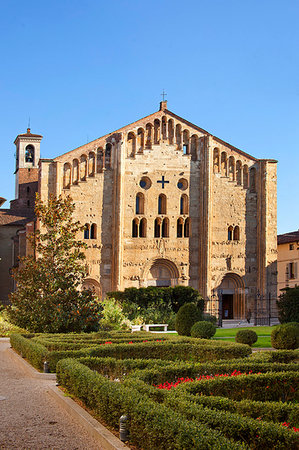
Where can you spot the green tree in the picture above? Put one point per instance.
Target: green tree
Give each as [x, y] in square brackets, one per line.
[288, 305]
[48, 297]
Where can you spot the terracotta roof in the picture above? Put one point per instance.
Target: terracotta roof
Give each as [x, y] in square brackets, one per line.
[10, 217]
[28, 135]
[293, 236]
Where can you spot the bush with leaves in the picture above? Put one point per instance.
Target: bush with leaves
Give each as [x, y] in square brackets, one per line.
[288, 305]
[248, 337]
[186, 317]
[203, 330]
[113, 317]
[286, 336]
[49, 297]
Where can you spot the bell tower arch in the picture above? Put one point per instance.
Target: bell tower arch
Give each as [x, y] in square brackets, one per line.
[26, 173]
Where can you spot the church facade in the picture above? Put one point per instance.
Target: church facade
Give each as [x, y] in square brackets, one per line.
[164, 202]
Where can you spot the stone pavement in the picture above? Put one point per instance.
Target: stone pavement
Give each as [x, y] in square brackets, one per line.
[29, 417]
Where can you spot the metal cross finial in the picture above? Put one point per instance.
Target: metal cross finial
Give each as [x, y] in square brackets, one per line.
[163, 95]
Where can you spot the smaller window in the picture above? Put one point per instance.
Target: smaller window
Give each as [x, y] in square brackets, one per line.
[187, 228]
[135, 228]
[157, 228]
[28, 189]
[291, 247]
[230, 233]
[185, 149]
[145, 183]
[29, 154]
[93, 231]
[236, 233]
[292, 270]
[86, 231]
[28, 202]
[180, 227]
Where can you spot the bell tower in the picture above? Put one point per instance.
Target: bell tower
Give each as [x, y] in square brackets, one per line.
[27, 159]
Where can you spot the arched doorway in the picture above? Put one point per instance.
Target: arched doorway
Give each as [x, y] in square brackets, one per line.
[92, 285]
[233, 296]
[162, 273]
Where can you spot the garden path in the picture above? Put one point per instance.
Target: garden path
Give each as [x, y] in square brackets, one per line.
[29, 417]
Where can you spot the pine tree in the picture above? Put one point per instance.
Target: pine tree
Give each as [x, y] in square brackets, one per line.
[48, 297]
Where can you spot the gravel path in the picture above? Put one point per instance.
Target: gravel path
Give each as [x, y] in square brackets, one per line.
[29, 417]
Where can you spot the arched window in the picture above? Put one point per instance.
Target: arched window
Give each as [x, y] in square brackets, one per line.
[245, 176]
[216, 165]
[231, 168]
[236, 233]
[108, 151]
[142, 228]
[140, 140]
[148, 135]
[157, 228]
[139, 203]
[100, 159]
[93, 231]
[75, 171]
[186, 148]
[66, 176]
[178, 136]
[223, 164]
[28, 203]
[239, 173]
[194, 147]
[83, 168]
[135, 228]
[252, 179]
[86, 231]
[179, 227]
[230, 233]
[170, 131]
[187, 227]
[28, 189]
[91, 164]
[184, 207]
[164, 128]
[29, 154]
[162, 204]
[156, 131]
[165, 227]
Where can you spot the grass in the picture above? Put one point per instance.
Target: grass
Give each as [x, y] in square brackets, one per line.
[231, 332]
[262, 341]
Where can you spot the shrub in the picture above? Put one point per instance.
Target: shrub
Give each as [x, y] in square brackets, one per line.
[34, 352]
[288, 305]
[248, 337]
[203, 330]
[285, 336]
[186, 317]
[113, 317]
[209, 318]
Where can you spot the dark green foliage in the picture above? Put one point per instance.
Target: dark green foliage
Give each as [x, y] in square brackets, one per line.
[154, 425]
[248, 337]
[49, 297]
[172, 297]
[265, 411]
[186, 317]
[250, 431]
[203, 330]
[35, 353]
[209, 318]
[286, 336]
[279, 386]
[288, 305]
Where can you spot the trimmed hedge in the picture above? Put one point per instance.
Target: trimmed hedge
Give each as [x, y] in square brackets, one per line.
[248, 337]
[166, 351]
[203, 330]
[280, 386]
[286, 336]
[155, 425]
[266, 411]
[257, 435]
[187, 316]
[34, 352]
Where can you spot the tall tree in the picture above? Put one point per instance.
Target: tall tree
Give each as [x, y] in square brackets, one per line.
[49, 297]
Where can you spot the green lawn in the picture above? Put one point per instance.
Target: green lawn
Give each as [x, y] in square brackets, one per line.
[231, 332]
[262, 342]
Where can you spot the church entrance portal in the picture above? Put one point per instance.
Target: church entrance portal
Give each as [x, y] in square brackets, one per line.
[162, 273]
[233, 297]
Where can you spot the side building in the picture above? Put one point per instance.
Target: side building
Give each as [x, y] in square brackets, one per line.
[287, 260]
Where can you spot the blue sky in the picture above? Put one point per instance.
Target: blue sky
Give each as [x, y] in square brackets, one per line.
[80, 69]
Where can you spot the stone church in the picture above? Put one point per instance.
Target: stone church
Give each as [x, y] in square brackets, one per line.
[164, 203]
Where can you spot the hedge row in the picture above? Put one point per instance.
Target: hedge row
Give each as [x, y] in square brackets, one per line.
[280, 386]
[266, 411]
[155, 425]
[256, 434]
[35, 353]
[171, 372]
